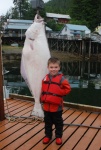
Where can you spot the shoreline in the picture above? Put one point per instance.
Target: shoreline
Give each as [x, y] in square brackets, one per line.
[63, 56]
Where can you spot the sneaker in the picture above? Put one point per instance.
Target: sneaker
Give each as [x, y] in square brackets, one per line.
[46, 140]
[58, 141]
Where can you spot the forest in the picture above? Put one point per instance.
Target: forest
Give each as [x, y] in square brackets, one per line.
[83, 12]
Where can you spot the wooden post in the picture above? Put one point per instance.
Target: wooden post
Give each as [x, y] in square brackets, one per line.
[89, 66]
[2, 114]
[83, 48]
[97, 50]
[89, 48]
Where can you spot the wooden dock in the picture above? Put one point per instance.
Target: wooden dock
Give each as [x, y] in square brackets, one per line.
[17, 135]
[87, 48]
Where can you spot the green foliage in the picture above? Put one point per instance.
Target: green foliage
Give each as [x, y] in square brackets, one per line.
[78, 22]
[84, 12]
[87, 10]
[54, 26]
[58, 6]
[23, 10]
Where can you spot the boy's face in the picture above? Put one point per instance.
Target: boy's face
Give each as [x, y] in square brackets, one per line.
[53, 68]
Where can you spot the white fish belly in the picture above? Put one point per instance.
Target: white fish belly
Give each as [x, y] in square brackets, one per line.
[34, 60]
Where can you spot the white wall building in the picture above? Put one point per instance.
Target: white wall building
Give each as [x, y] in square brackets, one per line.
[17, 27]
[98, 30]
[60, 18]
[75, 31]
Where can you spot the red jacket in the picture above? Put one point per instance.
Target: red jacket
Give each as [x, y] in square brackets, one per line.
[53, 90]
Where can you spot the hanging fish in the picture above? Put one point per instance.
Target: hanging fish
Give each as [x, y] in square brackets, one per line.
[35, 55]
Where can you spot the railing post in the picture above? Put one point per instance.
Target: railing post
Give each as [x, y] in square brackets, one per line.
[2, 114]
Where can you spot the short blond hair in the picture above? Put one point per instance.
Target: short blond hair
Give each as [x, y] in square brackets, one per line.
[54, 60]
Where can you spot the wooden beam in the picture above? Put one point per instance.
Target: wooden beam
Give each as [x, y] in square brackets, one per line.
[89, 48]
[66, 104]
[2, 115]
[21, 97]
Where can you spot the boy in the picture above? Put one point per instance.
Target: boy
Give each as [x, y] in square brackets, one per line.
[54, 87]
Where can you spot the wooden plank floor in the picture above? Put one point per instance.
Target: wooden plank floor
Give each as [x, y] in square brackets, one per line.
[23, 136]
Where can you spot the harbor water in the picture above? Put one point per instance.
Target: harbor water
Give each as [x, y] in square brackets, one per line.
[83, 76]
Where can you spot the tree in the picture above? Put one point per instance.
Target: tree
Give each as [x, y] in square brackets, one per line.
[21, 7]
[54, 26]
[58, 6]
[84, 12]
[24, 10]
[88, 11]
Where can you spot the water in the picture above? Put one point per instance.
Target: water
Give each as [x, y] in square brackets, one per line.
[83, 76]
[85, 80]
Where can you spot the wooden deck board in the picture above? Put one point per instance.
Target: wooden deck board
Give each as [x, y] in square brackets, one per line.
[5, 125]
[77, 134]
[68, 130]
[25, 112]
[19, 112]
[70, 119]
[13, 104]
[26, 138]
[19, 107]
[32, 142]
[23, 136]
[96, 143]
[90, 134]
[8, 125]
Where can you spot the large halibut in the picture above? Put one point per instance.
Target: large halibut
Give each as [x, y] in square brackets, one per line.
[35, 55]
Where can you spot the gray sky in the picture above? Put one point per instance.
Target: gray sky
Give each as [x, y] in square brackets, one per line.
[5, 5]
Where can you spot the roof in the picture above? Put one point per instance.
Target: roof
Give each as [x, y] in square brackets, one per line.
[22, 27]
[77, 27]
[19, 21]
[48, 29]
[52, 15]
[20, 24]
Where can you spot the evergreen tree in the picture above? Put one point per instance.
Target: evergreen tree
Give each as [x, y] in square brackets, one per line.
[23, 10]
[58, 6]
[86, 11]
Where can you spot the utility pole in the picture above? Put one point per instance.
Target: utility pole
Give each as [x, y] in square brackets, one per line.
[2, 114]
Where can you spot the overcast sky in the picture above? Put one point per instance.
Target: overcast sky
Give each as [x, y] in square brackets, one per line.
[5, 5]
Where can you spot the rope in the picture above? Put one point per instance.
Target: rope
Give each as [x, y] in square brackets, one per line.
[21, 119]
[35, 119]
[81, 125]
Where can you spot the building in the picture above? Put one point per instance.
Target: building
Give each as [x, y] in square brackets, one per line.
[17, 28]
[98, 29]
[59, 18]
[71, 31]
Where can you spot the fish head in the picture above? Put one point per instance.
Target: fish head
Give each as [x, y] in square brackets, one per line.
[38, 19]
[34, 30]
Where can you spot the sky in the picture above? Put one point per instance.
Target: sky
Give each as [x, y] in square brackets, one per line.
[5, 5]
